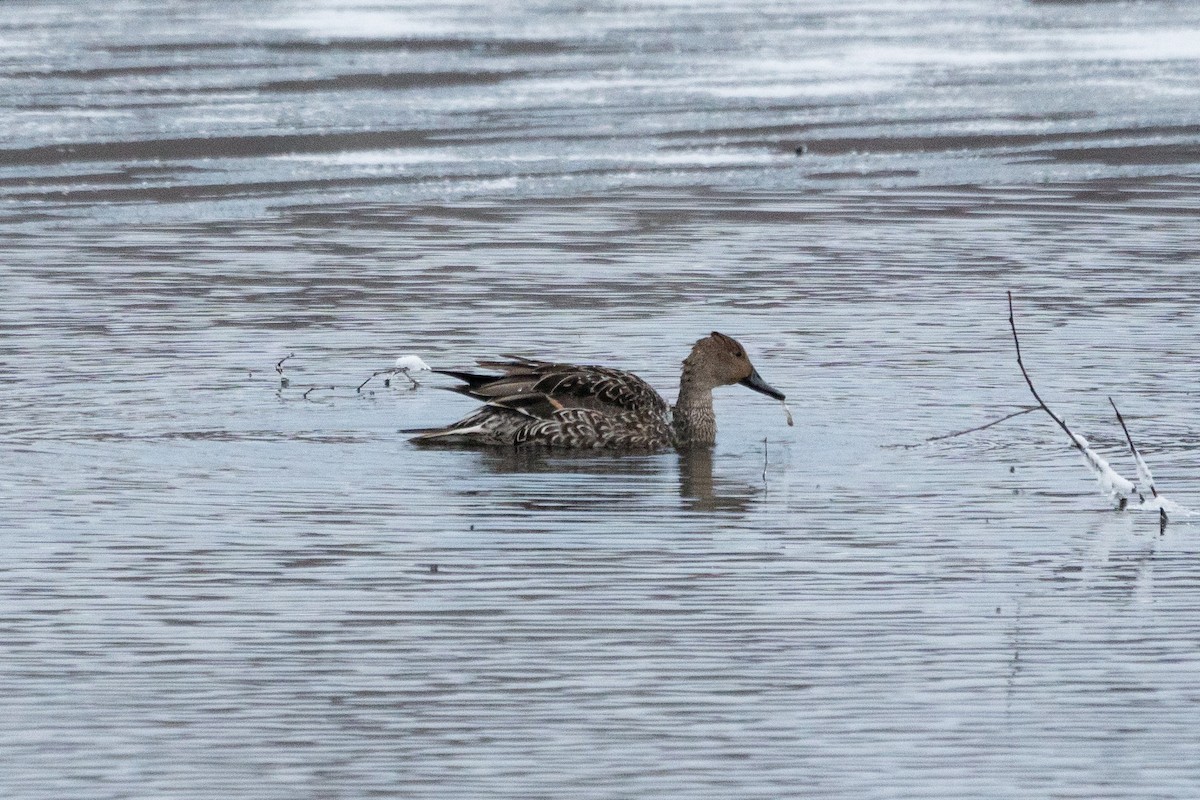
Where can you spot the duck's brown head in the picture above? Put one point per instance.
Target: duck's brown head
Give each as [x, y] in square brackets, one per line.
[720, 360]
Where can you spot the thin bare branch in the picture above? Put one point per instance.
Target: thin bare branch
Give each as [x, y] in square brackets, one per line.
[764, 474]
[1142, 469]
[1132, 447]
[372, 375]
[1115, 484]
[1029, 381]
[977, 428]
[312, 389]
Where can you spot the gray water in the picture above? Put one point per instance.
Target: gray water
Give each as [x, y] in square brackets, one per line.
[217, 586]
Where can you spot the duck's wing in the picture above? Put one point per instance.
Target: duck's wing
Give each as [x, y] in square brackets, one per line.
[541, 388]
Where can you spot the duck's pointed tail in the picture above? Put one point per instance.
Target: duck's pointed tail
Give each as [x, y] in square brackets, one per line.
[473, 379]
[465, 435]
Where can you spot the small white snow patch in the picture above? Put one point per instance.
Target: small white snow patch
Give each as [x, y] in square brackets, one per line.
[411, 363]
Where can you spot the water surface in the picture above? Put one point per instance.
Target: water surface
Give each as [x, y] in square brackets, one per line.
[217, 586]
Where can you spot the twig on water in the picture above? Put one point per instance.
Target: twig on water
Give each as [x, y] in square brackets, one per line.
[976, 429]
[312, 389]
[283, 381]
[372, 375]
[405, 365]
[764, 463]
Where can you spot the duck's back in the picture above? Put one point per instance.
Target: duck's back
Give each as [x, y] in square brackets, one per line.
[558, 405]
[581, 386]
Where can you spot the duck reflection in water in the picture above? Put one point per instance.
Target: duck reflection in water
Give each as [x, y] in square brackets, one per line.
[701, 492]
[619, 480]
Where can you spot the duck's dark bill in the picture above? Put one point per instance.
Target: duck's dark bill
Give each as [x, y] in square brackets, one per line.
[756, 383]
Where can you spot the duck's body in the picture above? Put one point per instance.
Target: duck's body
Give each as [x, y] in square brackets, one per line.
[541, 403]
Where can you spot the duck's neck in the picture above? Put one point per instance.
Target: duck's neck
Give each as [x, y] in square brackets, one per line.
[693, 420]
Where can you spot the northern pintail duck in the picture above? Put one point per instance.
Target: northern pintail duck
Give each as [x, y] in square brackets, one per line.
[542, 403]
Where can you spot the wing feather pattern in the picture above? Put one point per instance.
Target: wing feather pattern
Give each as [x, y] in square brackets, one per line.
[557, 405]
